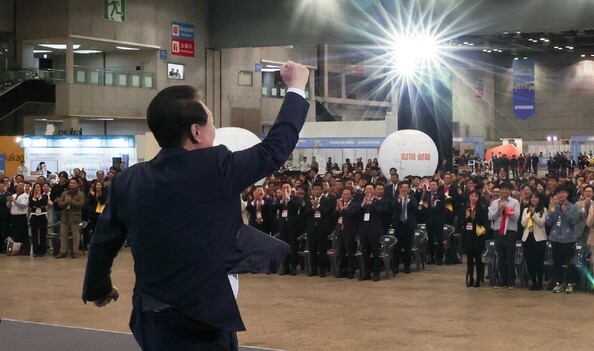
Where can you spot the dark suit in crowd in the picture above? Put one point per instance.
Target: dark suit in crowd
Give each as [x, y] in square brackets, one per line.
[370, 230]
[404, 224]
[348, 224]
[435, 221]
[322, 221]
[260, 215]
[180, 213]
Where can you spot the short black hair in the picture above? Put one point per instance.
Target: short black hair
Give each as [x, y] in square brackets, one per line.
[506, 185]
[172, 112]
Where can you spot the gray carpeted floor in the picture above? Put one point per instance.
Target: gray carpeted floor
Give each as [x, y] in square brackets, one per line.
[30, 336]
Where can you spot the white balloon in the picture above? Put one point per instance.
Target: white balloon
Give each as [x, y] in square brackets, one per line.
[236, 139]
[410, 151]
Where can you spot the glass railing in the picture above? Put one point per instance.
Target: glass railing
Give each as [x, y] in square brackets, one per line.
[113, 77]
[82, 75]
[10, 78]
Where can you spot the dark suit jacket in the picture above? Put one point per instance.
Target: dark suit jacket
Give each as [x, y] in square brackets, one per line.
[181, 213]
[411, 214]
[267, 215]
[327, 221]
[389, 191]
[434, 214]
[376, 210]
[350, 220]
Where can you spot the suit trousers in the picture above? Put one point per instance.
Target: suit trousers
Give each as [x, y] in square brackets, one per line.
[435, 236]
[169, 329]
[534, 251]
[65, 228]
[404, 245]
[370, 245]
[346, 252]
[506, 254]
[20, 232]
[39, 234]
[318, 247]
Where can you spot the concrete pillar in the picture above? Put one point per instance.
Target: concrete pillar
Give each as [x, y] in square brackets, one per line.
[69, 61]
[392, 116]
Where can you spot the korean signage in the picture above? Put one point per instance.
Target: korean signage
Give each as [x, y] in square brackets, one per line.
[523, 79]
[182, 39]
[114, 10]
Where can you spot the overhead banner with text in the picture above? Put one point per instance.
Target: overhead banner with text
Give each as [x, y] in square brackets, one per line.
[523, 79]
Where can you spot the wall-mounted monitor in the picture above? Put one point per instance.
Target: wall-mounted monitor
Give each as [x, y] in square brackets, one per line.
[175, 71]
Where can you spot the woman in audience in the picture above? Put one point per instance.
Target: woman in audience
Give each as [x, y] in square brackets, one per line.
[97, 197]
[38, 221]
[474, 228]
[535, 238]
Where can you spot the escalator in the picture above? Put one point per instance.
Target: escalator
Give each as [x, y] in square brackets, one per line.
[15, 95]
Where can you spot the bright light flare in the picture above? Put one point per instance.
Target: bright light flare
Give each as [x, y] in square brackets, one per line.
[413, 53]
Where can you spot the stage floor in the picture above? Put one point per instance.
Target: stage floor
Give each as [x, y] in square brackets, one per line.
[427, 310]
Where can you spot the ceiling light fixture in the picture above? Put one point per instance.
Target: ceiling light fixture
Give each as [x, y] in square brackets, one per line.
[127, 48]
[59, 46]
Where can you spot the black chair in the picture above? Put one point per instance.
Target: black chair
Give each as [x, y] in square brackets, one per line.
[449, 244]
[387, 243]
[520, 263]
[333, 255]
[304, 254]
[548, 265]
[54, 238]
[583, 265]
[419, 248]
[492, 262]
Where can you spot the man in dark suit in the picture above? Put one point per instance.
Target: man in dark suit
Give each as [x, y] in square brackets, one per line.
[320, 224]
[370, 230]
[259, 211]
[4, 217]
[405, 223]
[391, 191]
[349, 212]
[434, 203]
[180, 213]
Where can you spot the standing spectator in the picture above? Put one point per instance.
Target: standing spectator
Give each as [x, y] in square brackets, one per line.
[304, 166]
[534, 238]
[71, 203]
[434, 204]
[504, 212]
[259, 210]
[314, 164]
[4, 216]
[329, 165]
[474, 228]
[370, 230]
[97, 199]
[404, 223]
[535, 161]
[563, 217]
[19, 206]
[513, 164]
[349, 212]
[38, 202]
[22, 169]
[319, 227]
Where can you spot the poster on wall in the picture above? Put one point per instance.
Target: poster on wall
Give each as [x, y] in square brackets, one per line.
[175, 71]
[182, 39]
[43, 167]
[3, 163]
[524, 96]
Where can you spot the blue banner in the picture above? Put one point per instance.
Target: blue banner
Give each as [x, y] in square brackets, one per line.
[523, 80]
[2, 163]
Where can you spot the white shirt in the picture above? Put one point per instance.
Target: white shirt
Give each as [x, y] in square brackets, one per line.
[20, 205]
[22, 170]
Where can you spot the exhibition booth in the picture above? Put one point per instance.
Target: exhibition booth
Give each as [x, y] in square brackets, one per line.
[50, 154]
